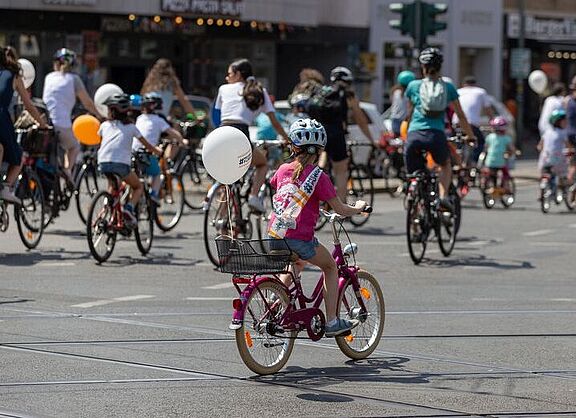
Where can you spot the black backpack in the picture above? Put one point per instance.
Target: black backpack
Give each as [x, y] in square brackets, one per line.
[328, 105]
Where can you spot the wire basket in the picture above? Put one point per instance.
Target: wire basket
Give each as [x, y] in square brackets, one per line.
[37, 142]
[235, 256]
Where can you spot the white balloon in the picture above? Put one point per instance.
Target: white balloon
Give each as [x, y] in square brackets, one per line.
[28, 72]
[103, 92]
[538, 81]
[227, 154]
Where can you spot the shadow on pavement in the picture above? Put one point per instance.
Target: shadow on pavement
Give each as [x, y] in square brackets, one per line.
[30, 258]
[371, 230]
[480, 261]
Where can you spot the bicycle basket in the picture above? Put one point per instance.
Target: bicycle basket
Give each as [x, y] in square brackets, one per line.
[252, 256]
[37, 142]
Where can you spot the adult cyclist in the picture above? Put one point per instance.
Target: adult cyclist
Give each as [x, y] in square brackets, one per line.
[336, 125]
[428, 100]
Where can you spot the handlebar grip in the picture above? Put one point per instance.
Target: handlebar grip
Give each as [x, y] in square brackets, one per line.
[368, 209]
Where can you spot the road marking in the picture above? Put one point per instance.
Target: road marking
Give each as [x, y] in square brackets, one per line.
[548, 244]
[55, 264]
[537, 233]
[219, 286]
[108, 301]
[207, 298]
[572, 226]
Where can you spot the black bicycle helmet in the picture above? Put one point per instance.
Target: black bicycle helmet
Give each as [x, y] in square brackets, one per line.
[431, 57]
[152, 98]
[341, 74]
[120, 102]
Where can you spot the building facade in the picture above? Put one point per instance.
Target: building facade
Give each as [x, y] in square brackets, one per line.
[472, 45]
[117, 41]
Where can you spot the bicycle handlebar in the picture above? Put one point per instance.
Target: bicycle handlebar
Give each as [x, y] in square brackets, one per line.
[332, 216]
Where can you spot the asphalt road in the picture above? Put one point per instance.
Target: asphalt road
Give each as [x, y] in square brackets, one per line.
[489, 331]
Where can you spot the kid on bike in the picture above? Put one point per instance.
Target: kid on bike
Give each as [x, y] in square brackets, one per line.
[115, 152]
[300, 187]
[497, 145]
[551, 146]
[152, 126]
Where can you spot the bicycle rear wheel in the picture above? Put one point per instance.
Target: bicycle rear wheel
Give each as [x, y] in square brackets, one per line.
[545, 196]
[144, 232]
[87, 185]
[417, 228]
[30, 214]
[168, 214]
[263, 347]
[195, 182]
[100, 227]
[360, 187]
[365, 337]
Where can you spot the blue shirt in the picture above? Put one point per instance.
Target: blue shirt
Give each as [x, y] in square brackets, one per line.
[419, 122]
[265, 129]
[496, 146]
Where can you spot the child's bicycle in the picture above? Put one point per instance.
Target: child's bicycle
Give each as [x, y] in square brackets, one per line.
[551, 191]
[106, 220]
[497, 184]
[268, 315]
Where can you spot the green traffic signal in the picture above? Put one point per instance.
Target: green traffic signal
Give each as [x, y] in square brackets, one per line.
[429, 14]
[406, 24]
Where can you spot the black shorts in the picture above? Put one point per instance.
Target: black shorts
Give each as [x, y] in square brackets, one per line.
[241, 126]
[12, 151]
[336, 145]
[432, 141]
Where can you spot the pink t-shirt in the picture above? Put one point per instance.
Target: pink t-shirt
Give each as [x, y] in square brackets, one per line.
[282, 183]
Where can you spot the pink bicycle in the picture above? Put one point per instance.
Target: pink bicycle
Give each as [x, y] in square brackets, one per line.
[268, 315]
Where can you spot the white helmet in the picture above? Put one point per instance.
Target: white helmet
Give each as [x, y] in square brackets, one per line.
[341, 74]
[308, 132]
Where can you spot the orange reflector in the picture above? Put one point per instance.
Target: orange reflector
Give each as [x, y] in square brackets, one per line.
[248, 339]
[349, 338]
[179, 187]
[29, 235]
[32, 185]
[365, 293]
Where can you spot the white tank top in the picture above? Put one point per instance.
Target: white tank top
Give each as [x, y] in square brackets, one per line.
[60, 96]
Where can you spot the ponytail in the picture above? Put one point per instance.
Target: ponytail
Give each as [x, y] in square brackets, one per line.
[302, 160]
[9, 61]
[253, 91]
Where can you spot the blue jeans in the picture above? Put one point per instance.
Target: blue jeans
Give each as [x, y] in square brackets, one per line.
[305, 249]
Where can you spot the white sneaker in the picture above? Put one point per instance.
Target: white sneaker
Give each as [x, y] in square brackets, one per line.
[256, 204]
[7, 194]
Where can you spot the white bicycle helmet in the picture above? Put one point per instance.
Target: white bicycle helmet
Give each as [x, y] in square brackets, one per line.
[341, 74]
[308, 132]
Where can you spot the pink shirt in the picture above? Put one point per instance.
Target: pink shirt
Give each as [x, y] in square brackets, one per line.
[282, 183]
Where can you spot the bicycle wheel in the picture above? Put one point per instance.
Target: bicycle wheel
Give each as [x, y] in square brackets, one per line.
[261, 350]
[87, 185]
[509, 198]
[417, 228]
[571, 197]
[360, 187]
[446, 230]
[545, 196]
[195, 182]
[168, 214]
[100, 227]
[144, 232]
[216, 221]
[30, 214]
[365, 337]
[261, 219]
[322, 220]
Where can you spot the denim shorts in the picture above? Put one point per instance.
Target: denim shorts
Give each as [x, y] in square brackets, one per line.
[120, 169]
[431, 140]
[153, 169]
[305, 249]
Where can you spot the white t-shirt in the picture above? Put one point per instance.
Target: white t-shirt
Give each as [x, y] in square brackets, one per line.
[60, 90]
[232, 106]
[116, 145]
[550, 104]
[473, 100]
[151, 126]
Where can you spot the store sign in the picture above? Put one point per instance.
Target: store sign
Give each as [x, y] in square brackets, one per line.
[520, 63]
[544, 29]
[204, 7]
[70, 2]
[147, 25]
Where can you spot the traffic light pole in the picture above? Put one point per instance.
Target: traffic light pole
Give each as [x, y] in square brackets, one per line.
[520, 80]
[419, 40]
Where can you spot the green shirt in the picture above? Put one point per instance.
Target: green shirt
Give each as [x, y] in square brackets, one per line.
[419, 122]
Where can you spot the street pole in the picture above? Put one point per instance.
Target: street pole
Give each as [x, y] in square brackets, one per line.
[520, 80]
[419, 42]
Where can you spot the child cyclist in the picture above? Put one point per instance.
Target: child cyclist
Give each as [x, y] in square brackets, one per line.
[152, 126]
[115, 152]
[552, 159]
[300, 187]
[497, 145]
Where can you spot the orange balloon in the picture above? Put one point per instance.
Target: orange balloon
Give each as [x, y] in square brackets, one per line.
[85, 129]
[404, 129]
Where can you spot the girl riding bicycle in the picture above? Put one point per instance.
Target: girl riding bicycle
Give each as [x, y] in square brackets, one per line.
[115, 152]
[300, 187]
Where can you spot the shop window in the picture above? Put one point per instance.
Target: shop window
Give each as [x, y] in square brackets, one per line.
[126, 48]
[148, 48]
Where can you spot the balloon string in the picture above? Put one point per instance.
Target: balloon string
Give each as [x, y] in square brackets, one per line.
[229, 212]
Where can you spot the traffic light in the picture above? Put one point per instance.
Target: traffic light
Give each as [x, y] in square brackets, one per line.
[407, 23]
[429, 13]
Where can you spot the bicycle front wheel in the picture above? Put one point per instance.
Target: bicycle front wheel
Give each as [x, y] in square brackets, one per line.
[100, 227]
[263, 346]
[366, 306]
[30, 214]
[169, 212]
[87, 186]
[144, 232]
[195, 182]
[360, 187]
[417, 228]
[509, 197]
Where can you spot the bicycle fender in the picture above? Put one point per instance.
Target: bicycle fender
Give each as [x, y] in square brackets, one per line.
[210, 193]
[238, 314]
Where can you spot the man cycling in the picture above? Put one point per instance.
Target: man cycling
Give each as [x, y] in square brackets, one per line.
[428, 100]
[336, 123]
